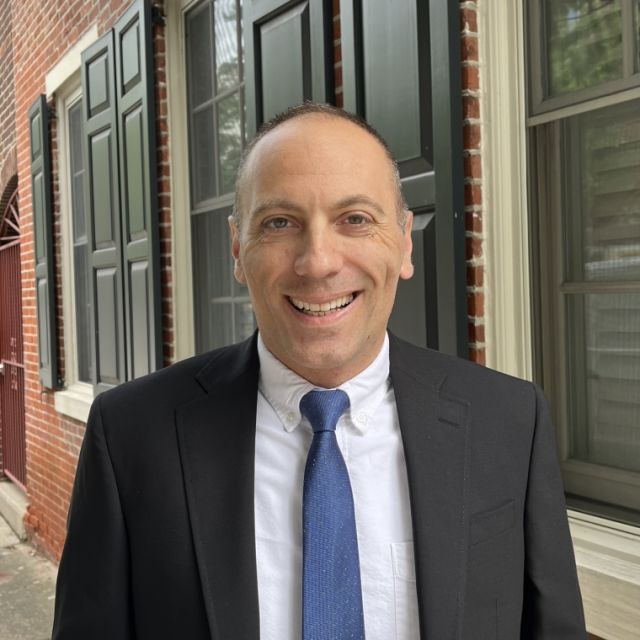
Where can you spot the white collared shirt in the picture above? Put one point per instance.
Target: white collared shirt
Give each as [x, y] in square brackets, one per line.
[369, 437]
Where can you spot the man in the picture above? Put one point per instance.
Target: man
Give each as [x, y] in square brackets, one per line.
[193, 515]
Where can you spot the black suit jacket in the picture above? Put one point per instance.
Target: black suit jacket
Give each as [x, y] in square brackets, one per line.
[161, 527]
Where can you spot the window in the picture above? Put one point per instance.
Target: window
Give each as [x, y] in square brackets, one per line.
[79, 362]
[216, 108]
[584, 76]
[82, 304]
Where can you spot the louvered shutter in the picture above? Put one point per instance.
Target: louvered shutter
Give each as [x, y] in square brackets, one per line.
[43, 233]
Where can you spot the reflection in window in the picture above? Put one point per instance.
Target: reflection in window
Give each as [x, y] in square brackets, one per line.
[602, 256]
[583, 43]
[80, 246]
[222, 308]
[603, 233]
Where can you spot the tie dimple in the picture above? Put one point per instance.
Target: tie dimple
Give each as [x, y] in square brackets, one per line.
[332, 593]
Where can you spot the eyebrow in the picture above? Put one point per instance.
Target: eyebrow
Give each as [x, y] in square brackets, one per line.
[288, 205]
[357, 199]
[275, 203]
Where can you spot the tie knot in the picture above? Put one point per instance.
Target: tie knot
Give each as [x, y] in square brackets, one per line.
[324, 408]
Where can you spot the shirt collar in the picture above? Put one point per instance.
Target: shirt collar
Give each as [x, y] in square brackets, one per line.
[283, 389]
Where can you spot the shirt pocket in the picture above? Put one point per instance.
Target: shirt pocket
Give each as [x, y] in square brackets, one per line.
[406, 597]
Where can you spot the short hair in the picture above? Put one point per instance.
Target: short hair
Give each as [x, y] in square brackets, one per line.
[310, 108]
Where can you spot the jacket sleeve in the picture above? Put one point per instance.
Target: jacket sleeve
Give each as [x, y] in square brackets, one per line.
[93, 587]
[552, 604]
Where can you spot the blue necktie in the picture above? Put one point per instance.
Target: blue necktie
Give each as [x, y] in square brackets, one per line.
[331, 591]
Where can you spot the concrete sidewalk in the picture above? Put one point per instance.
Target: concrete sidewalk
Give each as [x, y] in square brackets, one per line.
[27, 586]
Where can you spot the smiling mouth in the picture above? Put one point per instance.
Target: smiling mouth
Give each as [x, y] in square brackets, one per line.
[322, 308]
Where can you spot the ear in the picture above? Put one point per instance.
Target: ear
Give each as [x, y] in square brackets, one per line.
[406, 269]
[238, 271]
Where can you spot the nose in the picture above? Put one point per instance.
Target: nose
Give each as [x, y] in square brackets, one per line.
[319, 255]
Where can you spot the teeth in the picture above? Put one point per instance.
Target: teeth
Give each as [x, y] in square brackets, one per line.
[322, 309]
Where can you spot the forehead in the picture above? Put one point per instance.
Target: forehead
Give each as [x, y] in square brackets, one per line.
[318, 144]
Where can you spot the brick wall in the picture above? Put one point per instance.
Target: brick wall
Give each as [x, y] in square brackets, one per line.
[471, 104]
[8, 161]
[43, 31]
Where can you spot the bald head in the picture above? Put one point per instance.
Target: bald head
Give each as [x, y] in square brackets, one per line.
[310, 110]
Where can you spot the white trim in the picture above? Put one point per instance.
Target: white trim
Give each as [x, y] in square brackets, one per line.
[181, 261]
[504, 178]
[64, 80]
[75, 401]
[69, 63]
[608, 559]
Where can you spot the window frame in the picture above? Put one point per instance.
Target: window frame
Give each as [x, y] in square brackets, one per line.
[536, 68]
[63, 82]
[617, 489]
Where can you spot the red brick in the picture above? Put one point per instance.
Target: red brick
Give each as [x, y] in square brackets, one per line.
[470, 77]
[469, 48]
[478, 355]
[475, 276]
[473, 166]
[476, 333]
[468, 20]
[472, 194]
[471, 136]
[473, 248]
[475, 303]
[470, 107]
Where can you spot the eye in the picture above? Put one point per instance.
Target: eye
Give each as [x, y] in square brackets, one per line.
[356, 219]
[277, 223]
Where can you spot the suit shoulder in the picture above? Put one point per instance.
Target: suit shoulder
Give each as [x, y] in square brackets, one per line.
[178, 382]
[457, 374]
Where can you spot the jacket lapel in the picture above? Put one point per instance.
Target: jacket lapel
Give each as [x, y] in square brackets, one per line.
[434, 428]
[216, 435]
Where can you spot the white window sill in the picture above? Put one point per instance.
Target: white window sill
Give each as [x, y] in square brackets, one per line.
[75, 401]
[608, 559]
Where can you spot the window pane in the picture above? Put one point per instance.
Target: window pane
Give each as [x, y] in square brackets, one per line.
[217, 298]
[203, 172]
[83, 312]
[76, 170]
[80, 251]
[227, 68]
[637, 35]
[244, 322]
[603, 364]
[229, 140]
[200, 51]
[602, 171]
[584, 43]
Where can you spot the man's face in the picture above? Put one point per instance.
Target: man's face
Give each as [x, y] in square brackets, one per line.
[320, 246]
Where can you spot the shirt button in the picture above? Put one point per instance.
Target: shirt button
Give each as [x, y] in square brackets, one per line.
[361, 418]
[290, 418]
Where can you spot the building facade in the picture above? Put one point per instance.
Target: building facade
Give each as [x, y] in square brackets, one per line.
[517, 130]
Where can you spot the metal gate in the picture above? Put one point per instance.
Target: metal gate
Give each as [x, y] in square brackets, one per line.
[13, 461]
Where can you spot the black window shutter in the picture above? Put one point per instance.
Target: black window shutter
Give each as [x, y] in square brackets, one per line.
[121, 192]
[401, 71]
[135, 108]
[288, 56]
[43, 233]
[103, 213]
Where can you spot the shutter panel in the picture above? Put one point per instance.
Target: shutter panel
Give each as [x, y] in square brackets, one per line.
[103, 210]
[43, 234]
[138, 189]
[287, 56]
[401, 71]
